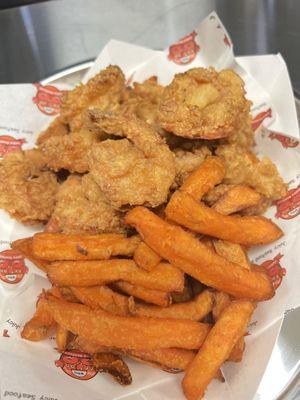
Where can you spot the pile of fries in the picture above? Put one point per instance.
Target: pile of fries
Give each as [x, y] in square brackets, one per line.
[178, 296]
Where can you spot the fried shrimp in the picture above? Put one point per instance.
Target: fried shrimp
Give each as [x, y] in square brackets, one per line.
[104, 91]
[243, 166]
[27, 190]
[137, 170]
[82, 208]
[203, 103]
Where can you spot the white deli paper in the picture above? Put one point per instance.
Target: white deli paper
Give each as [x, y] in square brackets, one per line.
[35, 370]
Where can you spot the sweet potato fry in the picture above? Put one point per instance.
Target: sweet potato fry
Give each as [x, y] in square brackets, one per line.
[87, 346]
[232, 252]
[153, 296]
[64, 293]
[217, 347]
[90, 273]
[205, 177]
[139, 333]
[103, 297]
[40, 325]
[248, 230]
[24, 246]
[145, 257]
[195, 309]
[237, 352]
[114, 366]
[186, 252]
[57, 246]
[62, 337]
[236, 199]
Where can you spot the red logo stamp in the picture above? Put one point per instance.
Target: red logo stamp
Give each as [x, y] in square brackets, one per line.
[259, 118]
[12, 266]
[274, 270]
[284, 140]
[184, 51]
[289, 206]
[5, 333]
[9, 144]
[76, 364]
[227, 41]
[47, 99]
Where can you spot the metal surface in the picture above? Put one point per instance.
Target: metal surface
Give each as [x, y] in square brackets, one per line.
[41, 39]
[281, 380]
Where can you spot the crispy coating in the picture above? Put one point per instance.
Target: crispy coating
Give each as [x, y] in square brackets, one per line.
[27, 190]
[56, 128]
[104, 91]
[203, 103]
[187, 161]
[216, 193]
[137, 170]
[81, 207]
[243, 166]
[242, 134]
[69, 151]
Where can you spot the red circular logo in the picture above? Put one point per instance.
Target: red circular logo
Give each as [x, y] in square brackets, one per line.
[289, 206]
[185, 50]
[76, 364]
[12, 266]
[274, 270]
[9, 144]
[47, 99]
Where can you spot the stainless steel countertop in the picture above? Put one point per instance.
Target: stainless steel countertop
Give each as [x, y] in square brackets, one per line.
[39, 40]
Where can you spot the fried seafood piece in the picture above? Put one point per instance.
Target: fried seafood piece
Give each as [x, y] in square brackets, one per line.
[137, 170]
[203, 103]
[81, 207]
[242, 134]
[27, 190]
[56, 128]
[143, 99]
[243, 166]
[187, 161]
[104, 91]
[69, 151]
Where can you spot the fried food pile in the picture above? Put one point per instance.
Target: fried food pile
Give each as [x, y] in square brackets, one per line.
[151, 197]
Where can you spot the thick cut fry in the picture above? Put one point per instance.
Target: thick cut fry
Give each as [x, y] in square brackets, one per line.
[62, 337]
[58, 246]
[210, 173]
[90, 273]
[248, 230]
[40, 325]
[87, 346]
[186, 252]
[114, 366]
[64, 293]
[236, 199]
[153, 296]
[195, 309]
[137, 333]
[217, 347]
[232, 252]
[237, 352]
[24, 246]
[145, 257]
[103, 297]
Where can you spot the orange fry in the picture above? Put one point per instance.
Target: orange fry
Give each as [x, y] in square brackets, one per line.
[217, 347]
[237, 352]
[58, 246]
[113, 365]
[232, 252]
[103, 297]
[248, 230]
[24, 246]
[90, 273]
[186, 252]
[205, 177]
[195, 309]
[145, 257]
[62, 336]
[236, 199]
[40, 325]
[153, 296]
[138, 333]
[64, 293]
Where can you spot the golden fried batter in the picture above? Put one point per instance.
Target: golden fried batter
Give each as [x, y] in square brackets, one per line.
[82, 208]
[203, 103]
[56, 128]
[104, 91]
[187, 161]
[242, 134]
[27, 191]
[137, 170]
[243, 166]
